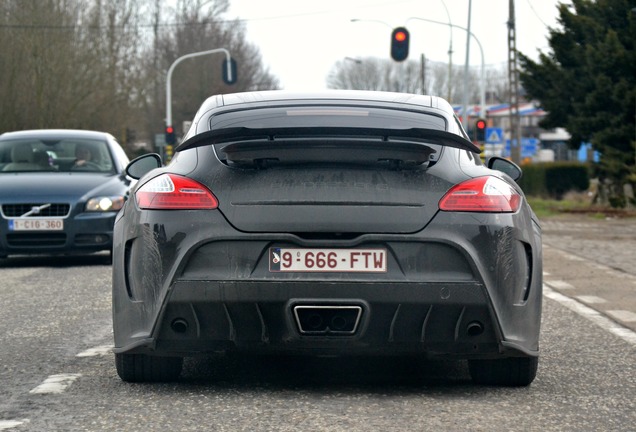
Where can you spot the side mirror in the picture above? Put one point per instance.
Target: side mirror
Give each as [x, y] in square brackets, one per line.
[505, 166]
[142, 165]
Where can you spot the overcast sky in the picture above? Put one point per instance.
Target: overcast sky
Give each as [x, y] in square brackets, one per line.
[301, 40]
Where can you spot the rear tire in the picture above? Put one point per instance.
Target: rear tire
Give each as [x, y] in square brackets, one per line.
[511, 372]
[145, 368]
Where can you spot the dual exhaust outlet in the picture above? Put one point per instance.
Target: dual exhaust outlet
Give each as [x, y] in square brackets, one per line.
[327, 320]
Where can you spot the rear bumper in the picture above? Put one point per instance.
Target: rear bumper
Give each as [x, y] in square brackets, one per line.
[449, 320]
[468, 286]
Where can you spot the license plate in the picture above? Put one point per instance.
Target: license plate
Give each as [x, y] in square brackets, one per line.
[327, 260]
[36, 224]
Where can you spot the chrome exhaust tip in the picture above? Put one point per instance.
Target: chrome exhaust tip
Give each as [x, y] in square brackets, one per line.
[327, 320]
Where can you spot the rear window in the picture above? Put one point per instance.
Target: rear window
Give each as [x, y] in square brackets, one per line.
[326, 116]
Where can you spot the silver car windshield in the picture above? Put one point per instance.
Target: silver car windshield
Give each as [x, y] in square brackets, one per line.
[55, 155]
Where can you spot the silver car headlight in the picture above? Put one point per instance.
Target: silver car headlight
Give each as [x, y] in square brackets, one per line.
[105, 204]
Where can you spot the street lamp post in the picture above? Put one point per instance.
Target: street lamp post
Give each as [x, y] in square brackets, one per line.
[370, 20]
[465, 96]
[229, 71]
[450, 51]
[482, 80]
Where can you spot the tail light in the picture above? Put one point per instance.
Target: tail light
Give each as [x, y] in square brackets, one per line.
[173, 192]
[483, 195]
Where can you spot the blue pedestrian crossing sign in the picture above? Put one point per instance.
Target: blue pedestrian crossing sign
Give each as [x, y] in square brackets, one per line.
[494, 135]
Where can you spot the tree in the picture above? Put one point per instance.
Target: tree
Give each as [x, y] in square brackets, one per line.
[376, 74]
[372, 73]
[587, 84]
[102, 64]
[198, 26]
[66, 64]
[34, 54]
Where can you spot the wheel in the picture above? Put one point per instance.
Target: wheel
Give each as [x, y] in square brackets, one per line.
[145, 368]
[512, 372]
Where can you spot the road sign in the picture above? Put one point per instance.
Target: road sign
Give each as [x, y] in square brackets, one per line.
[494, 135]
[160, 140]
[529, 147]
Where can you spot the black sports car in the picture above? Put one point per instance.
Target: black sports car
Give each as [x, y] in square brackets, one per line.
[340, 223]
[60, 191]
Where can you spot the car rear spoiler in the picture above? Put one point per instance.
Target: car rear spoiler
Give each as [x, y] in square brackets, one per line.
[233, 135]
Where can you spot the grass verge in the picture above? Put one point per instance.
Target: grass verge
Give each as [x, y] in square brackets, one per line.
[549, 208]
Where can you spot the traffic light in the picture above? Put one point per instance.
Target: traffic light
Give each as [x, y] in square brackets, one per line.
[171, 139]
[399, 44]
[229, 71]
[480, 130]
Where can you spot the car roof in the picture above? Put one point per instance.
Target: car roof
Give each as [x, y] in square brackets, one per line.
[271, 98]
[200, 134]
[281, 96]
[56, 134]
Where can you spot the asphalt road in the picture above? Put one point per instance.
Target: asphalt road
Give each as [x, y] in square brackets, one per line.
[57, 372]
[594, 262]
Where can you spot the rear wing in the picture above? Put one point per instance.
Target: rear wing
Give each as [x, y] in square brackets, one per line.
[394, 149]
[414, 135]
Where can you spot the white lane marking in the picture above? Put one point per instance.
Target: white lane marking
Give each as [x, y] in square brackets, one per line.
[587, 312]
[8, 424]
[97, 351]
[590, 299]
[601, 267]
[55, 384]
[559, 284]
[575, 258]
[623, 315]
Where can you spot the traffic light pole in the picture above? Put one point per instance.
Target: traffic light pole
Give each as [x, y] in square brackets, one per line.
[230, 75]
[465, 96]
[513, 82]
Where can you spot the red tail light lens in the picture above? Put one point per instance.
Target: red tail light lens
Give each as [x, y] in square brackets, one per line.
[483, 195]
[173, 192]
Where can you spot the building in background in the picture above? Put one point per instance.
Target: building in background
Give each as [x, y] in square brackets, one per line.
[537, 144]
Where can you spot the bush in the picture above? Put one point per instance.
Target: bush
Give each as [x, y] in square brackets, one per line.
[533, 180]
[554, 179]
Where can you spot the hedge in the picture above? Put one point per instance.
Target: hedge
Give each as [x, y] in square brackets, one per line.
[554, 179]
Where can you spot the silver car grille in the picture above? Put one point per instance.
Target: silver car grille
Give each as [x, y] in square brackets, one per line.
[35, 210]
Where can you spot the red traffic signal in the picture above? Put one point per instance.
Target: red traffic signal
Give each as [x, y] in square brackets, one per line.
[480, 129]
[171, 139]
[400, 36]
[399, 44]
